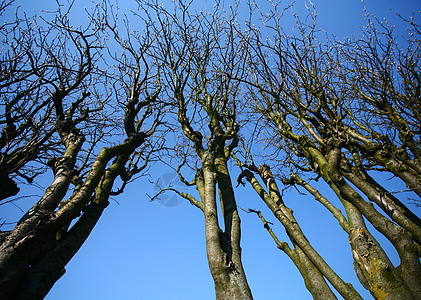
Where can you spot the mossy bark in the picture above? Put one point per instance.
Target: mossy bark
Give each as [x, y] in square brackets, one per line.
[33, 255]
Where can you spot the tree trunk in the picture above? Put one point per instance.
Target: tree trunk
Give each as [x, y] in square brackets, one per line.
[384, 281]
[284, 215]
[222, 248]
[313, 279]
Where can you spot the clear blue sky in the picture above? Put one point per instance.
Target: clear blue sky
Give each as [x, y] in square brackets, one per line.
[146, 250]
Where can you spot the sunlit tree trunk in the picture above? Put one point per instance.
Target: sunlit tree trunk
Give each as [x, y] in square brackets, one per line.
[223, 247]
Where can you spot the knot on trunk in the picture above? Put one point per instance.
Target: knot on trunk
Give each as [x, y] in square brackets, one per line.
[264, 171]
[60, 164]
[67, 126]
[244, 174]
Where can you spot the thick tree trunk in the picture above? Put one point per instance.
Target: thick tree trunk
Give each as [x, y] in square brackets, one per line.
[34, 253]
[36, 231]
[223, 250]
[46, 271]
[384, 281]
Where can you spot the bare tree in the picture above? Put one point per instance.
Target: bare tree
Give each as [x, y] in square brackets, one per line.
[61, 104]
[341, 111]
[199, 55]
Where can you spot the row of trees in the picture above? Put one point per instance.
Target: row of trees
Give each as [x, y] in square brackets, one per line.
[99, 103]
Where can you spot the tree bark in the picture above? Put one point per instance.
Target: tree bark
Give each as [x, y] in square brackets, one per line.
[313, 278]
[223, 249]
[384, 281]
[284, 215]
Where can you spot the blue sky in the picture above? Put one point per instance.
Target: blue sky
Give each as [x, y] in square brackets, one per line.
[147, 250]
